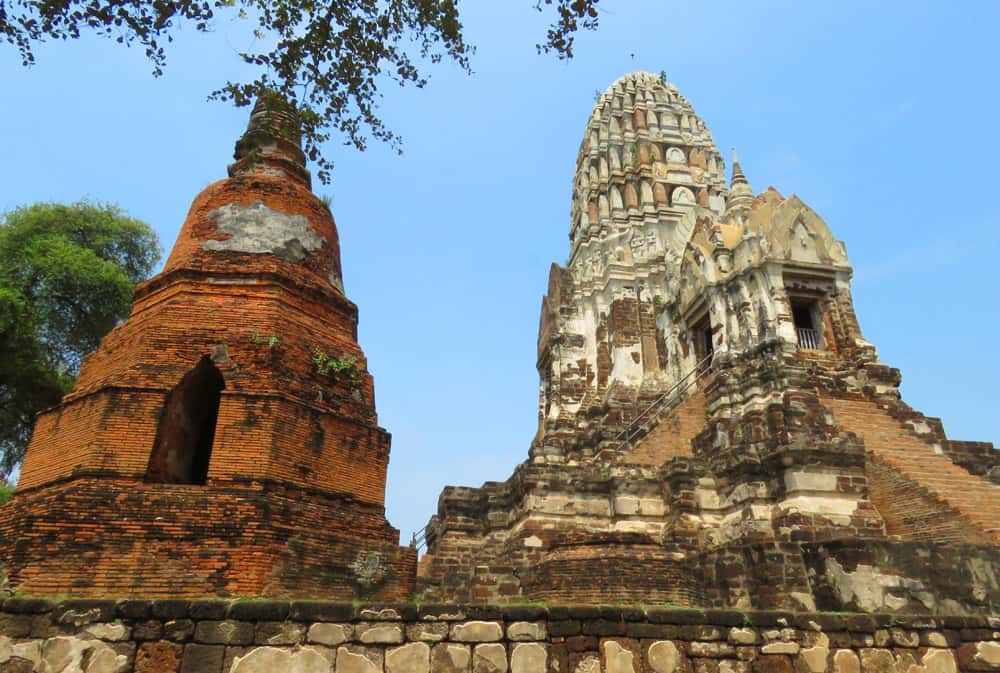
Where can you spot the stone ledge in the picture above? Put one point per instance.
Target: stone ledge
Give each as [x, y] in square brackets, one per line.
[593, 617]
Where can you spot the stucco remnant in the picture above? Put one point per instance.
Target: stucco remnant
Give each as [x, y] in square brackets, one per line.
[273, 659]
[258, 230]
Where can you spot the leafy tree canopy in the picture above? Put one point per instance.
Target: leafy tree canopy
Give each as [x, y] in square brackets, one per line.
[329, 57]
[66, 277]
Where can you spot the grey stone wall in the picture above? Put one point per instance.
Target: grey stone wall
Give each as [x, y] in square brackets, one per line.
[174, 636]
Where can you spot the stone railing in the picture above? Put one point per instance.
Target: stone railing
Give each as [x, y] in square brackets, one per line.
[174, 636]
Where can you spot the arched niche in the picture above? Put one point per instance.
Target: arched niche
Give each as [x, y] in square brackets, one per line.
[616, 199]
[675, 155]
[616, 130]
[645, 154]
[631, 196]
[616, 159]
[186, 432]
[639, 119]
[647, 194]
[681, 196]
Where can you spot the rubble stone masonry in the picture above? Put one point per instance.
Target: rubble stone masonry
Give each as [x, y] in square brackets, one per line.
[179, 636]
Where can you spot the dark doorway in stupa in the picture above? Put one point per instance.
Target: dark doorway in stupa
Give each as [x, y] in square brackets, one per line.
[186, 432]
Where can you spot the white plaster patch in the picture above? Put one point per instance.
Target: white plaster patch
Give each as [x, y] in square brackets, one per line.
[104, 631]
[837, 506]
[646, 528]
[664, 657]
[619, 659]
[69, 654]
[626, 505]
[568, 505]
[273, 659]
[866, 586]
[939, 661]
[806, 602]
[528, 658]
[258, 230]
[800, 480]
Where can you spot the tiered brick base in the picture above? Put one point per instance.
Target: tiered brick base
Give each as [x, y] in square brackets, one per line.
[106, 537]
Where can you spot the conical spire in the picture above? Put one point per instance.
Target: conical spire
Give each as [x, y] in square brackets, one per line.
[740, 193]
[738, 177]
[272, 142]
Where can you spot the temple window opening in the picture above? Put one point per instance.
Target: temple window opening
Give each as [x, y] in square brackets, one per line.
[804, 315]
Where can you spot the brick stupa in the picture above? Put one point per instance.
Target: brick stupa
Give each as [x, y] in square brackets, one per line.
[223, 440]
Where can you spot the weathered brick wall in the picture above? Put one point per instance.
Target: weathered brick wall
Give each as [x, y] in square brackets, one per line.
[912, 512]
[175, 636]
[893, 576]
[101, 536]
[921, 494]
[763, 576]
[672, 435]
[595, 568]
[979, 458]
[72, 439]
[278, 415]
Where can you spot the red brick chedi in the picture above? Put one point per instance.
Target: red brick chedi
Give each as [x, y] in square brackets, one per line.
[223, 440]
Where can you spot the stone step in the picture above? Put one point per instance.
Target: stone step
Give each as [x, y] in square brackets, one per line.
[893, 444]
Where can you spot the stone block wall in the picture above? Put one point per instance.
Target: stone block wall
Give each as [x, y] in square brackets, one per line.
[898, 576]
[177, 636]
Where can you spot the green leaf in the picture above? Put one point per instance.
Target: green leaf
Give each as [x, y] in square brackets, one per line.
[67, 273]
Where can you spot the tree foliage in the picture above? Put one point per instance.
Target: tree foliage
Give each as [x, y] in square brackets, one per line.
[66, 277]
[328, 57]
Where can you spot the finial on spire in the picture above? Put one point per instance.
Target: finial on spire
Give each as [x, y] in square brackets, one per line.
[740, 195]
[272, 142]
[738, 177]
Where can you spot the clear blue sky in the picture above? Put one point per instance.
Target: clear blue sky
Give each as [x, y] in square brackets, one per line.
[882, 116]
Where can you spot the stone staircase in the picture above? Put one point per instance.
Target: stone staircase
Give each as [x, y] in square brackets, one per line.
[919, 491]
[671, 434]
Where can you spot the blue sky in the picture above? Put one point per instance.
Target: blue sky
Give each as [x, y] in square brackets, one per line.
[882, 116]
